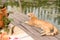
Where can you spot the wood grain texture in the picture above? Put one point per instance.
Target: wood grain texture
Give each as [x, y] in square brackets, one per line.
[34, 32]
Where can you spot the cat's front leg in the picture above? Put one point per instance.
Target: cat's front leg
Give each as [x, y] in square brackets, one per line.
[26, 22]
[42, 31]
[29, 23]
[43, 34]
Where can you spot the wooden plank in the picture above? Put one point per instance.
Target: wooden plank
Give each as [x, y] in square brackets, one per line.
[31, 32]
[49, 37]
[37, 35]
[17, 19]
[58, 36]
[19, 22]
[25, 30]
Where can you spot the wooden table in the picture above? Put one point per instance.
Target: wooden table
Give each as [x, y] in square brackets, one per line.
[34, 32]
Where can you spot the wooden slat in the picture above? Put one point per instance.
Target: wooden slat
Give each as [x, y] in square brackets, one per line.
[58, 36]
[36, 35]
[33, 31]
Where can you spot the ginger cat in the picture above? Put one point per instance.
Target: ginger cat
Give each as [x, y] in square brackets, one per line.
[48, 28]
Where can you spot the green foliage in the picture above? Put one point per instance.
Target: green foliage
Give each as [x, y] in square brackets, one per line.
[42, 2]
[57, 3]
[15, 3]
[6, 30]
[35, 3]
[0, 2]
[6, 21]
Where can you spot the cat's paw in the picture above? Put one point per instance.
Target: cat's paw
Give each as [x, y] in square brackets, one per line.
[52, 34]
[48, 34]
[43, 34]
[26, 22]
[42, 31]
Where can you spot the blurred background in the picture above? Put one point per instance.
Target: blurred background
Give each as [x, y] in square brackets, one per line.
[48, 10]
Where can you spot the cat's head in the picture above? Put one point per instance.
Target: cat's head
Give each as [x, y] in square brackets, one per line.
[30, 14]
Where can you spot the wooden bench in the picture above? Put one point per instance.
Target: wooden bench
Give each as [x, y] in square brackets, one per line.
[34, 32]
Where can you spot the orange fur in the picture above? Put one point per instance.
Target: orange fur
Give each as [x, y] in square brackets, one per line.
[4, 10]
[46, 26]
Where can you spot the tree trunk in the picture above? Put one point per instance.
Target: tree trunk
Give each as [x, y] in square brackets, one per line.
[20, 6]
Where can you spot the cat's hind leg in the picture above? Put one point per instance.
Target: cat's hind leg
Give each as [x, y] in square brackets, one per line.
[47, 31]
[43, 33]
